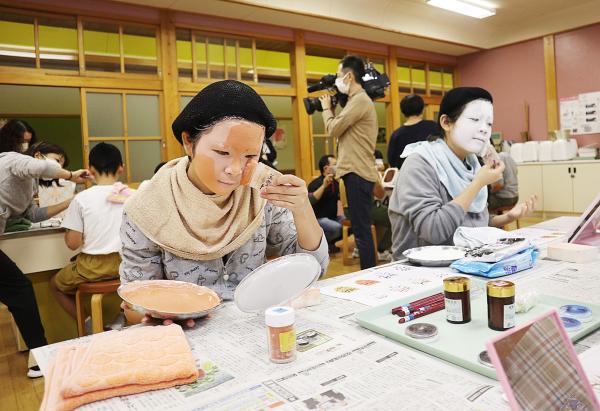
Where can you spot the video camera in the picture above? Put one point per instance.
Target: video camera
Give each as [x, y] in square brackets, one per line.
[373, 82]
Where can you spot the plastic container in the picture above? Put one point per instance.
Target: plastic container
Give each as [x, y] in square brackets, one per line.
[281, 335]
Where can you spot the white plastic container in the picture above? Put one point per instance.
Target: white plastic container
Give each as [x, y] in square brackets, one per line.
[516, 152]
[545, 150]
[561, 150]
[530, 151]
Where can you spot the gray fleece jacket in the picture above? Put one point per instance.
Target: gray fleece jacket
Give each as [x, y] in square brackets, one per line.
[421, 211]
[18, 180]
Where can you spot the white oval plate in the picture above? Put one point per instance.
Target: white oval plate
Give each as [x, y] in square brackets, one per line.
[277, 281]
[426, 256]
[175, 287]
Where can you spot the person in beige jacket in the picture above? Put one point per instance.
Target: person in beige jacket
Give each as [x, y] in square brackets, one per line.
[355, 130]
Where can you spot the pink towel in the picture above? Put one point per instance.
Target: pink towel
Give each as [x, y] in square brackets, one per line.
[119, 193]
[119, 363]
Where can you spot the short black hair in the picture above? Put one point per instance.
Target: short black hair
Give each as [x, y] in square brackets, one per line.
[105, 158]
[44, 148]
[159, 166]
[412, 105]
[324, 162]
[357, 65]
[11, 135]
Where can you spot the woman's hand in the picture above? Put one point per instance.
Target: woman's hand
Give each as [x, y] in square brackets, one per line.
[523, 209]
[134, 317]
[81, 176]
[288, 192]
[488, 174]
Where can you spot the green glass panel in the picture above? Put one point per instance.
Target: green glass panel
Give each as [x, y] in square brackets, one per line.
[121, 146]
[317, 66]
[381, 121]
[183, 44]
[284, 141]
[231, 59]
[435, 79]
[17, 46]
[448, 81]
[144, 156]
[216, 58]
[58, 44]
[403, 74]
[101, 47]
[183, 101]
[139, 50]
[105, 115]
[143, 115]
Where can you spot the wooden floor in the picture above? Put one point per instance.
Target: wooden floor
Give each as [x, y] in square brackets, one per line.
[20, 393]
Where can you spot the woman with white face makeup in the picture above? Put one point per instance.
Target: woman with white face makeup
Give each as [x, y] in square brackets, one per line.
[441, 185]
[195, 221]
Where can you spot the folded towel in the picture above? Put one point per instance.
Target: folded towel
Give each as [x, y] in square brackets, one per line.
[119, 193]
[17, 224]
[118, 363]
[471, 237]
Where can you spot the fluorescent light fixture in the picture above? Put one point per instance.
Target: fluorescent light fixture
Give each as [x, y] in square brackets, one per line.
[461, 7]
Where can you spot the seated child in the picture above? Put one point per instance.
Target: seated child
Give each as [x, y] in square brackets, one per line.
[93, 221]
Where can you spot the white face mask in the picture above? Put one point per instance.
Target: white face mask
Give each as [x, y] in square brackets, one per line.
[343, 88]
[473, 129]
[52, 161]
[24, 147]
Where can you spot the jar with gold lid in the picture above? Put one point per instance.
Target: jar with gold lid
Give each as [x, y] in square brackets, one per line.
[457, 299]
[501, 304]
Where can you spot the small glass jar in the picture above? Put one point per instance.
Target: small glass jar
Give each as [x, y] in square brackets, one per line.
[501, 305]
[281, 335]
[457, 299]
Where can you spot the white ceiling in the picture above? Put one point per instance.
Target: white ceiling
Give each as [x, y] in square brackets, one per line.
[407, 23]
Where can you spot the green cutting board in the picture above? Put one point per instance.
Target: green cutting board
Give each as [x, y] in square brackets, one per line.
[461, 344]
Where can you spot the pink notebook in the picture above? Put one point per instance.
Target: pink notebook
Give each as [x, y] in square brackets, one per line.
[539, 368]
[587, 231]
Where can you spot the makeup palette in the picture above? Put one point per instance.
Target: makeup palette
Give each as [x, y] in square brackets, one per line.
[462, 344]
[169, 299]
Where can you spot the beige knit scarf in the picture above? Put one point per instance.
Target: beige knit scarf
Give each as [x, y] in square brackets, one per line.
[179, 218]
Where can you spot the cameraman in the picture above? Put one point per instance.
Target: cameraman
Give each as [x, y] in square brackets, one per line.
[355, 129]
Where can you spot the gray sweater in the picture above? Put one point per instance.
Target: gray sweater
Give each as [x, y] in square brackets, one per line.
[18, 180]
[143, 259]
[421, 211]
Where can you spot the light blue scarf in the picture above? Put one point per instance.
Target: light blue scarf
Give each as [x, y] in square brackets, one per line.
[451, 171]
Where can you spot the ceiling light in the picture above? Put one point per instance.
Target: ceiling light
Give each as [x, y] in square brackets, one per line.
[461, 7]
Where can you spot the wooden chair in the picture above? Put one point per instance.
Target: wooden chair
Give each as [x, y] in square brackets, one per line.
[346, 224]
[502, 210]
[97, 290]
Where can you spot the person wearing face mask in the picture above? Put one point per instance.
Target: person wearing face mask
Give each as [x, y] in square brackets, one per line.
[18, 179]
[324, 195]
[194, 221]
[355, 130]
[441, 185]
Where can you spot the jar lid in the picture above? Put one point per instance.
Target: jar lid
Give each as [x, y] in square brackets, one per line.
[279, 316]
[571, 324]
[421, 331]
[579, 312]
[456, 284]
[500, 289]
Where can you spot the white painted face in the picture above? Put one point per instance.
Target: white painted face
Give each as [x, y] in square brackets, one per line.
[473, 128]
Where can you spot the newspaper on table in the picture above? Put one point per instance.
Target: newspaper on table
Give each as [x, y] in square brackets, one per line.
[388, 283]
[590, 361]
[341, 360]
